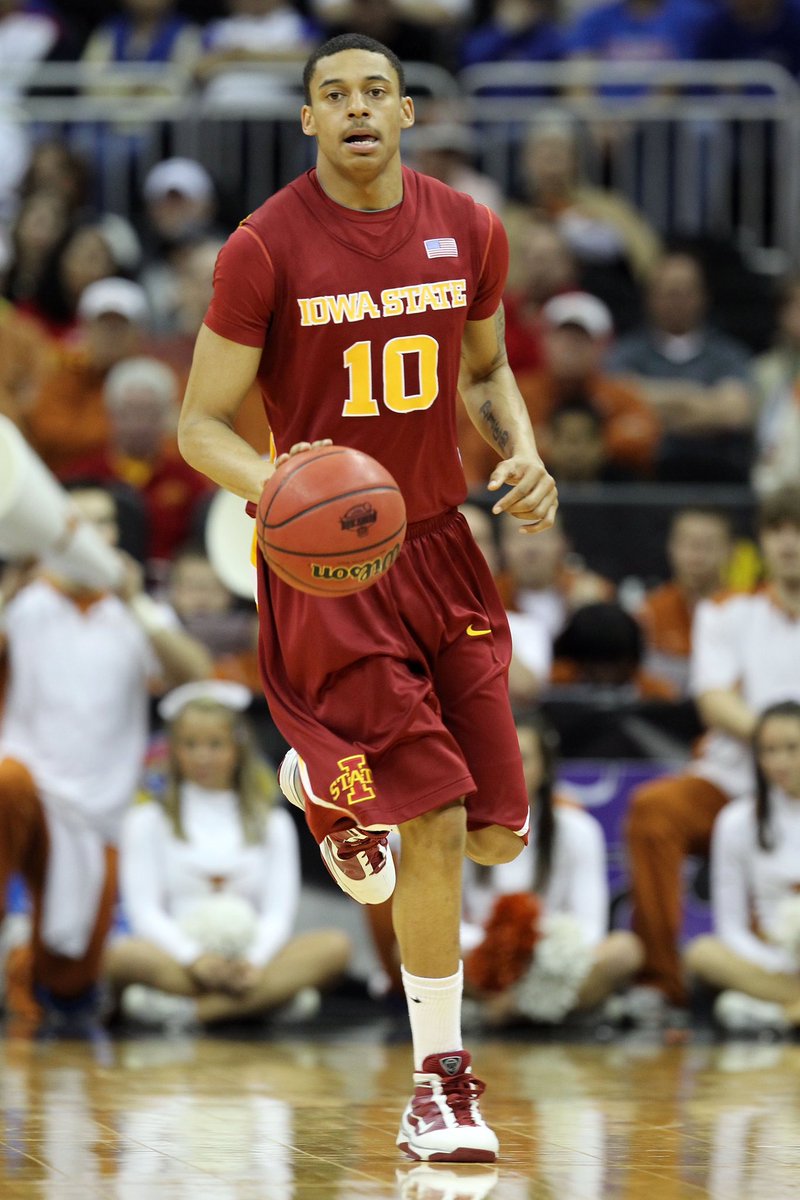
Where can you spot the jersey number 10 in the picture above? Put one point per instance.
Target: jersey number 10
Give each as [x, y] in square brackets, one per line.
[358, 360]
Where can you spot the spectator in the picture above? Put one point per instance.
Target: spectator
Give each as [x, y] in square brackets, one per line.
[699, 551]
[776, 379]
[184, 292]
[40, 224]
[601, 228]
[141, 401]
[56, 167]
[180, 209]
[207, 610]
[753, 958]
[564, 866]
[23, 357]
[601, 648]
[72, 742]
[745, 656]
[577, 329]
[417, 31]
[82, 256]
[257, 32]
[147, 31]
[576, 446]
[544, 579]
[29, 34]
[445, 149]
[695, 378]
[210, 877]
[643, 31]
[753, 29]
[542, 266]
[69, 419]
[515, 31]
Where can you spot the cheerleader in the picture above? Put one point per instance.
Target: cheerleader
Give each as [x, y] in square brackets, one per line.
[210, 878]
[559, 883]
[753, 958]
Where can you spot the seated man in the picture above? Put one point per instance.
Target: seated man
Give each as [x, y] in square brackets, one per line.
[694, 377]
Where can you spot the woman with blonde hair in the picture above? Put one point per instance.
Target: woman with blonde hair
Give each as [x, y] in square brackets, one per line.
[210, 878]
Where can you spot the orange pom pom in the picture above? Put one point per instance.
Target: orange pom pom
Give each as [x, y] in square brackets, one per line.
[505, 953]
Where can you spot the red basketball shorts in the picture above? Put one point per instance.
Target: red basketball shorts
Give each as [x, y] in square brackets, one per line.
[396, 698]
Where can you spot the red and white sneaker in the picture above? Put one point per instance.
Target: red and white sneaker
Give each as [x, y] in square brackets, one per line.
[358, 860]
[442, 1122]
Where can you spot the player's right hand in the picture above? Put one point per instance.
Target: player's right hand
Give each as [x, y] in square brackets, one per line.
[299, 447]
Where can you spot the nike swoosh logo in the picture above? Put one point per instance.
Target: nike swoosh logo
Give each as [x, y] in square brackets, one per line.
[477, 632]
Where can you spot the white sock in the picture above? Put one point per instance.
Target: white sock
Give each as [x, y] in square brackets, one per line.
[434, 1009]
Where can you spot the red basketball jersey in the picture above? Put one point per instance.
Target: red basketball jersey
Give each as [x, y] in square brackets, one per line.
[361, 316]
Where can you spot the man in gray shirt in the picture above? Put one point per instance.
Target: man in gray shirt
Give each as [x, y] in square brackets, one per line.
[695, 378]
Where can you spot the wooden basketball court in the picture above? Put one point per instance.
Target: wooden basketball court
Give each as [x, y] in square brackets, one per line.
[288, 1118]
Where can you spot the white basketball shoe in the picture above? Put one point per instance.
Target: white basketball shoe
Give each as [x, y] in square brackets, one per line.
[442, 1121]
[358, 860]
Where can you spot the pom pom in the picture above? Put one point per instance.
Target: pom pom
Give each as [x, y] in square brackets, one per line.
[221, 924]
[786, 929]
[505, 952]
[549, 988]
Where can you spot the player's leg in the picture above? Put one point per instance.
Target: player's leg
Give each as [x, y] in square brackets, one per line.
[357, 859]
[493, 845]
[442, 1121]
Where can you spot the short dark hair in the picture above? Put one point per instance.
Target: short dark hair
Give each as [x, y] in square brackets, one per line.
[781, 507]
[351, 41]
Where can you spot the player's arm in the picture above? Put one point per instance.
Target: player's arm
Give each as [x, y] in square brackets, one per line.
[222, 373]
[497, 410]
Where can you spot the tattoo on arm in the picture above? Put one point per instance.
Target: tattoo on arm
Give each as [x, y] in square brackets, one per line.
[500, 436]
[500, 331]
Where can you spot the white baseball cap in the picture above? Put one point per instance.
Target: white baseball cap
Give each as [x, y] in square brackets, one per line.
[114, 295]
[581, 309]
[182, 175]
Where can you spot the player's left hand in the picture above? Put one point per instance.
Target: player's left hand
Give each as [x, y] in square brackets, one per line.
[299, 447]
[532, 498]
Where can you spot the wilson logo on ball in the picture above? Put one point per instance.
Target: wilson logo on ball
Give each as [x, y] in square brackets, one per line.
[360, 571]
[359, 518]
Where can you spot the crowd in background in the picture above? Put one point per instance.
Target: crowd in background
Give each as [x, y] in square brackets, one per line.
[641, 361]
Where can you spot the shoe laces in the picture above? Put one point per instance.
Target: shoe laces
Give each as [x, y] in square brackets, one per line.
[461, 1092]
[355, 842]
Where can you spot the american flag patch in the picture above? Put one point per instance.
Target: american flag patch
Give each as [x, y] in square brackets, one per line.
[441, 248]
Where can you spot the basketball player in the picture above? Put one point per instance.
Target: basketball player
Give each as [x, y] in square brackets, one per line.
[362, 297]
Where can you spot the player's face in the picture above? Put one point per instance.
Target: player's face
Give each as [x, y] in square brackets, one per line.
[205, 749]
[356, 112]
[779, 753]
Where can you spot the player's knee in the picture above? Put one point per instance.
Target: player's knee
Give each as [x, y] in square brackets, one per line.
[439, 833]
[492, 846]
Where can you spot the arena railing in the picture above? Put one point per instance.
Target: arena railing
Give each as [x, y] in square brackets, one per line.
[700, 148]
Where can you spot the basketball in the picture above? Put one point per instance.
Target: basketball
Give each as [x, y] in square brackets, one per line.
[331, 521]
